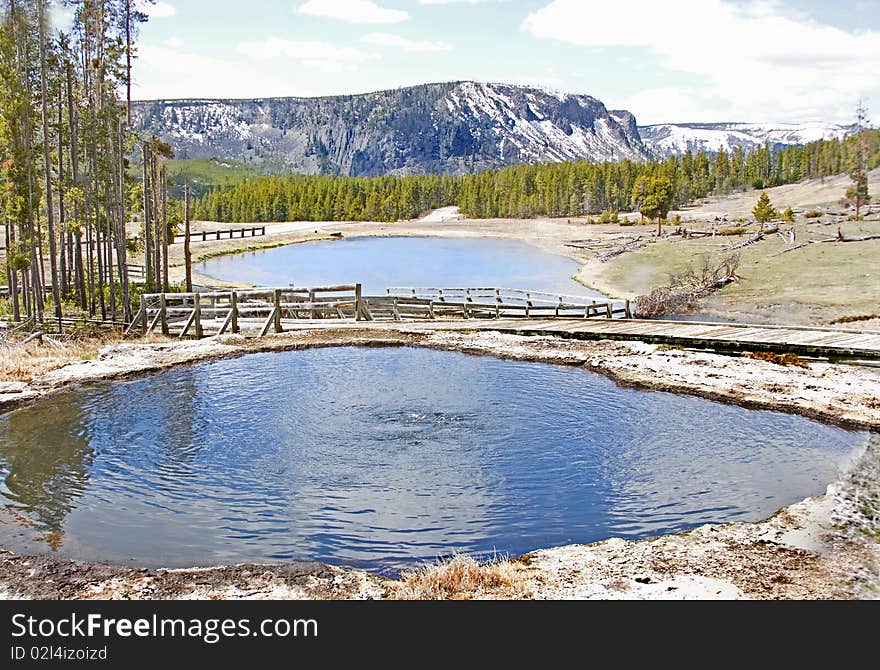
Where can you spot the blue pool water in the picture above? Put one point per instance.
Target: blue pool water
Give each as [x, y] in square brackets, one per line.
[385, 457]
[380, 262]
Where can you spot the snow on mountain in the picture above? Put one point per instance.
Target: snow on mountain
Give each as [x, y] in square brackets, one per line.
[455, 128]
[677, 138]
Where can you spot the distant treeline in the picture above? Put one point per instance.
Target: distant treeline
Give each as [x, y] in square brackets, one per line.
[523, 191]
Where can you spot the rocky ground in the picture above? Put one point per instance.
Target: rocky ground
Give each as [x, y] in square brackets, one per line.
[825, 547]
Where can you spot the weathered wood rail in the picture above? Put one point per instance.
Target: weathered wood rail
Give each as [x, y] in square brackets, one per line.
[261, 311]
[5, 291]
[499, 303]
[256, 311]
[228, 234]
[828, 343]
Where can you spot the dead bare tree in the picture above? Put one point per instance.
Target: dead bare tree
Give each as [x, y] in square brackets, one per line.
[685, 290]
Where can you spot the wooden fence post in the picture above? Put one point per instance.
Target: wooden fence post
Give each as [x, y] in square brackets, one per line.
[629, 313]
[278, 328]
[357, 302]
[312, 304]
[144, 315]
[234, 302]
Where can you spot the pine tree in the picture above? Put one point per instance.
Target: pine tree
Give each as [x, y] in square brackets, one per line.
[658, 201]
[857, 194]
[764, 210]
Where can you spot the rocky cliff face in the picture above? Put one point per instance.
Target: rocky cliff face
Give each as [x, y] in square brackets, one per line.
[451, 128]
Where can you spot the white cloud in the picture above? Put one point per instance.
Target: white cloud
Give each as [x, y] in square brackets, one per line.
[161, 10]
[306, 51]
[163, 72]
[402, 43]
[759, 60]
[174, 41]
[353, 11]
[457, 2]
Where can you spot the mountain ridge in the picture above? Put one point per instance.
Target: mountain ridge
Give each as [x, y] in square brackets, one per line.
[667, 139]
[454, 128]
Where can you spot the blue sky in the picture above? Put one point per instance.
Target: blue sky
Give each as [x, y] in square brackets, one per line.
[678, 60]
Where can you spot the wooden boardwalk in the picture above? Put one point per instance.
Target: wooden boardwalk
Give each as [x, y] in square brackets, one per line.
[730, 338]
[260, 312]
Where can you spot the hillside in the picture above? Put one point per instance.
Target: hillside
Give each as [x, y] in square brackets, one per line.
[454, 128]
[674, 139]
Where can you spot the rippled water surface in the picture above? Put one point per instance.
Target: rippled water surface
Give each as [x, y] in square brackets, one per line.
[379, 262]
[380, 457]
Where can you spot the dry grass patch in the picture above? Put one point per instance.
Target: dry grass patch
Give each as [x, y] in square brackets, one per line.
[727, 232]
[34, 359]
[462, 578]
[779, 359]
[854, 319]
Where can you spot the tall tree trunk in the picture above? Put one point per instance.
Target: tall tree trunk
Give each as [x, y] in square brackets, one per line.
[90, 268]
[11, 278]
[187, 251]
[27, 298]
[36, 262]
[99, 253]
[62, 237]
[79, 269]
[164, 182]
[157, 222]
[111, 240]
[73, 122]
[128, 60]
[47, 159]
[148, 223]
[122, 237]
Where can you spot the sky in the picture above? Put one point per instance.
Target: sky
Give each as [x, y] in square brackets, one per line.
[665, 61]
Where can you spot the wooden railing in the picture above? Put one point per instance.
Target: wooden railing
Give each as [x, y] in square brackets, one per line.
[5, 291]
[137, 273]
[229, 233]
[505, 303]
[262, 311]
[259, 310]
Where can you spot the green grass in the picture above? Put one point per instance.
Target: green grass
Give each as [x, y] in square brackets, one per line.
[822, 281]
[205, 173]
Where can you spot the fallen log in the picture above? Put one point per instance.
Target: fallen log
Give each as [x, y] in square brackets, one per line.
[754, 238]
[687, 234]
[30, 338]
[847, 239]
[799, 246]
[624, 248]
